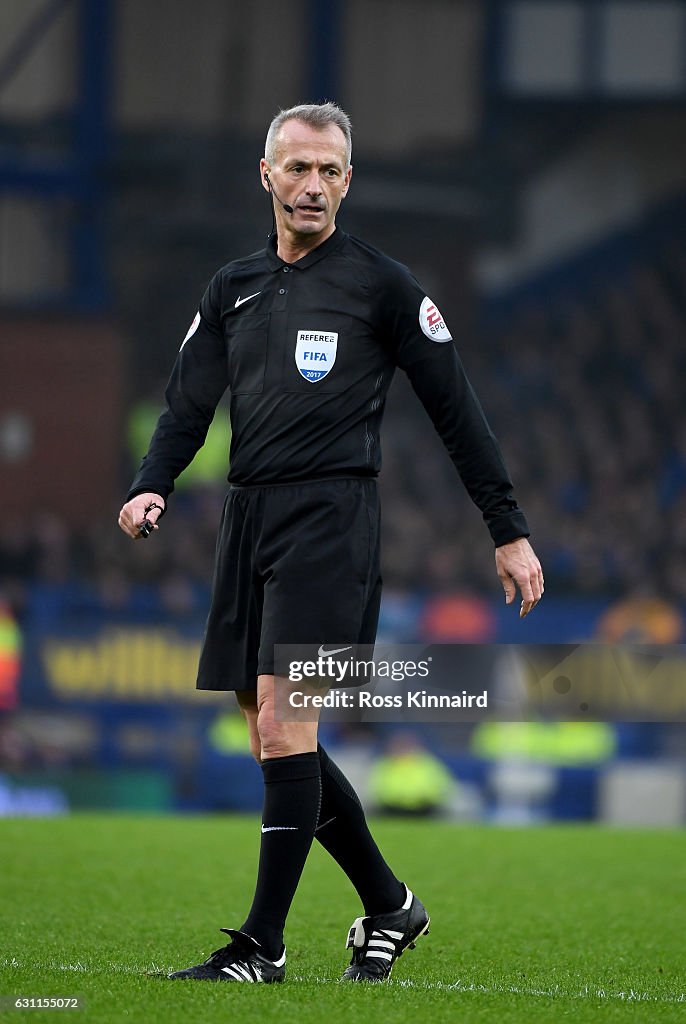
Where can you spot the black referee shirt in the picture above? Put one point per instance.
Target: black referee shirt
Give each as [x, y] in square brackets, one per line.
[308, 351]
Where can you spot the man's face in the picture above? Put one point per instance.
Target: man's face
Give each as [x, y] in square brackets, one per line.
[310, 174]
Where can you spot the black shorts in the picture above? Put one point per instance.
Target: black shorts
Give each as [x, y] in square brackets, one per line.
[295, 564]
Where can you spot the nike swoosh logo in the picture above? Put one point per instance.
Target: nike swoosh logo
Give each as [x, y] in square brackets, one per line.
[240, 301]
[339, 650]
[280, 828]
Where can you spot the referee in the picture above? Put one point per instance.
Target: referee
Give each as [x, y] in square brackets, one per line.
[306, 334]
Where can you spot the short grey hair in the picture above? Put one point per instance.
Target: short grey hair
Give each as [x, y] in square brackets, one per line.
[318, 115]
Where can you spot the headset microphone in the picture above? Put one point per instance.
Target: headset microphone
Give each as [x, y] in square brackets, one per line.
[286, 206]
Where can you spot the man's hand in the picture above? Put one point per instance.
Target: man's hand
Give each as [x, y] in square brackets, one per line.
[133, 513]
[516, 562]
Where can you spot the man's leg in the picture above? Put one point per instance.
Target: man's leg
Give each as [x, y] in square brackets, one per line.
[342, 830]
[395, 917]
[342, 827]
[287, 752]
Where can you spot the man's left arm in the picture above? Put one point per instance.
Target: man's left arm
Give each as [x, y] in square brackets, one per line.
[424, 348]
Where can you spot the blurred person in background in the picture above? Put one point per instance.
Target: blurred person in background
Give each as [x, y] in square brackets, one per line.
[307, 334]
[641, 619]
[11, 643]
[409, 781]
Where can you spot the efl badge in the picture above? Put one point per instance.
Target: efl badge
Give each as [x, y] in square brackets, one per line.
[432, 323]
[315, 353]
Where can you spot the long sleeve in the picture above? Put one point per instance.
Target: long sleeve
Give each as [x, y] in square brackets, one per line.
[422, 346]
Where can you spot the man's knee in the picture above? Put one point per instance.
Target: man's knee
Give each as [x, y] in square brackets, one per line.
[273, 736]
[280, 739]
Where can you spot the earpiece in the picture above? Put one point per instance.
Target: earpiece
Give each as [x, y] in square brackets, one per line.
[286, 206]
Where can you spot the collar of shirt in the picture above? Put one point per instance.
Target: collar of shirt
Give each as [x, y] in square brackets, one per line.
[326, 247]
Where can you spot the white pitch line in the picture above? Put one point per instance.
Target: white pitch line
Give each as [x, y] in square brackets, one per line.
[82, 968]
[587, 992]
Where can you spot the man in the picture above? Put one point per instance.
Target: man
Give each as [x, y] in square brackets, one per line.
[307, 334]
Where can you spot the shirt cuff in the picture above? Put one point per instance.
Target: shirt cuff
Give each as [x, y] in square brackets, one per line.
[508, 527]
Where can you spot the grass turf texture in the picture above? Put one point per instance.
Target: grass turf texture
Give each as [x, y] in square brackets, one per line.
[534, 925]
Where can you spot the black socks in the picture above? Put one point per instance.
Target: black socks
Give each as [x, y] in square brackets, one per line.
[292, 795]
[302, 791]
[342, 830]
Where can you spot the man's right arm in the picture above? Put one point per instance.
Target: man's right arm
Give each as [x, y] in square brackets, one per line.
[198, 381]
[148, 506]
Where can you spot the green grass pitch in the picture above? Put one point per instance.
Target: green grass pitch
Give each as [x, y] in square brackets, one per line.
[543, 924]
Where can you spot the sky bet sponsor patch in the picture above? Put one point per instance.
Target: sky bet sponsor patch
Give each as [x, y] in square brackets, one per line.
[315, 353]
[431, 322]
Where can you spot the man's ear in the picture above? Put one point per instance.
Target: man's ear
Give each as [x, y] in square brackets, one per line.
[264, 174]
[346, 181]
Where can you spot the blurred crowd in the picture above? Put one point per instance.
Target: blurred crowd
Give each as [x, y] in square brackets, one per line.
[586, 400]
[103, 567]
[599, 439]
